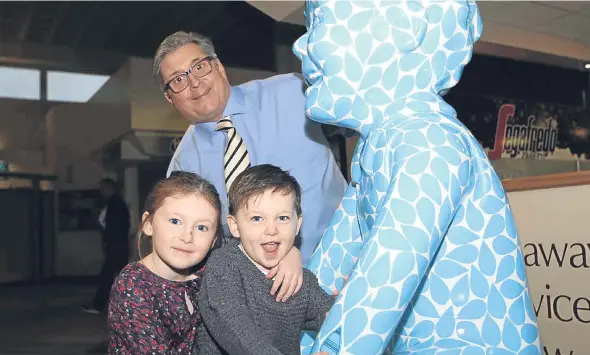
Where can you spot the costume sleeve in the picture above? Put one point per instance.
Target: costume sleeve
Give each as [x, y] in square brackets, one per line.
[334, 258]
[401, 243]
[319, 303]
[133, 327]
[222, 304]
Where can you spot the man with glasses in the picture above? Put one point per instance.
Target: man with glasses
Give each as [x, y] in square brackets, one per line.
[260, 122]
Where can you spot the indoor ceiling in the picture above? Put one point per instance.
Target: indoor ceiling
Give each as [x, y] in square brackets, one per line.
[525, 30]
[567, 19]
[136, 28]
[550, 32]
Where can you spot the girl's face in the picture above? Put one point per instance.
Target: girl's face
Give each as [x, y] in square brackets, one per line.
[183, 231]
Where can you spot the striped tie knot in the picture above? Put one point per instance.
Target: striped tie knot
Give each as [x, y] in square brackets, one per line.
[224, 124]
[235, 157]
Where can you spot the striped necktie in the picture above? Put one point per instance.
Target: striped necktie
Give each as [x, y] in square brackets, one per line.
[235, 158]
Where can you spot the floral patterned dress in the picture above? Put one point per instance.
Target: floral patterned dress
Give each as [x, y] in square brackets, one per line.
[149, 314]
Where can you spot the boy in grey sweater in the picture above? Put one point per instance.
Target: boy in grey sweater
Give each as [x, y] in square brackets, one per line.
[239, 313]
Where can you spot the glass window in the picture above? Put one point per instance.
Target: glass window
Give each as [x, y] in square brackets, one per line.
[20, 83]
[73, 87]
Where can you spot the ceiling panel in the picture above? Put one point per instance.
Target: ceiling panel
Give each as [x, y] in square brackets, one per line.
[566, 5]
[544, 29]
[546, 16]
[493, 8]
[136, 28]
[565, 19]
[523, 14]
[572, 26]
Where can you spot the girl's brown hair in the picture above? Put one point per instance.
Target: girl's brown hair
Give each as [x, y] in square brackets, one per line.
[180, 183]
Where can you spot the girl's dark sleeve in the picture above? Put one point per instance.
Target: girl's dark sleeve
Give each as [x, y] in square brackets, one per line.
[133, 329]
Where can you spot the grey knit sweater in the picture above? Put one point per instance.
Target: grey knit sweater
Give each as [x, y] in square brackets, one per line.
[242, 317]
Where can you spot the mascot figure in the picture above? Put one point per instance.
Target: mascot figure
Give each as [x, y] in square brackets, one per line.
[424, 233]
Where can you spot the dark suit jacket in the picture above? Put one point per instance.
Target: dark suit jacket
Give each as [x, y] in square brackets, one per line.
[116, 230]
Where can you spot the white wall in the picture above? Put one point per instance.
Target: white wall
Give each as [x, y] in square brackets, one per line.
[77, 132]
[22, 134]
[554, 228]
[149, 109]
[116, 90]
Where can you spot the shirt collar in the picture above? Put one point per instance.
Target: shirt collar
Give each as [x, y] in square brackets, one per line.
[258, 266]
[235, 106]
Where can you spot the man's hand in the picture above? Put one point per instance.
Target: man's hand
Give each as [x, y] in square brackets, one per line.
[289, 275]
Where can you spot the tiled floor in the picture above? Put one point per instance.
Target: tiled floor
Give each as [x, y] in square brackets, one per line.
[47, 320]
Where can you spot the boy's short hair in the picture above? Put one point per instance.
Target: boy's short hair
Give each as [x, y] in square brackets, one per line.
[256, 180]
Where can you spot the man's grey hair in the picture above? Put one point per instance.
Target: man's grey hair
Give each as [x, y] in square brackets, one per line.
[175, 41]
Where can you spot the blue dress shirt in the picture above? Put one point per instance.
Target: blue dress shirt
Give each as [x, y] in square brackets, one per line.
[270, 117]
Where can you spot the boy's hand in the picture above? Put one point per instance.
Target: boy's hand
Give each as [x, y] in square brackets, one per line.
[289, 275]
[335, 294]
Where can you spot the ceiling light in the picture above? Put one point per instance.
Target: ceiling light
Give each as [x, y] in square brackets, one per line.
[587, 66]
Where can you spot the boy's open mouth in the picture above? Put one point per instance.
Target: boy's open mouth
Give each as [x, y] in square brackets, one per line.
[270, 247]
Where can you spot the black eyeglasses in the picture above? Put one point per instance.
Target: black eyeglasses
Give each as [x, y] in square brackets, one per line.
[182, 81]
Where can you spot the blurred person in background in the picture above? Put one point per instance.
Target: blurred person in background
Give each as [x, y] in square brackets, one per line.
[115, 224]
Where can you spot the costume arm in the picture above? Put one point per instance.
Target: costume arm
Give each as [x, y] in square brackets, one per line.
[319, 302]
[133, 326]
[418, 200]
[334, 257]
[228, 319]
